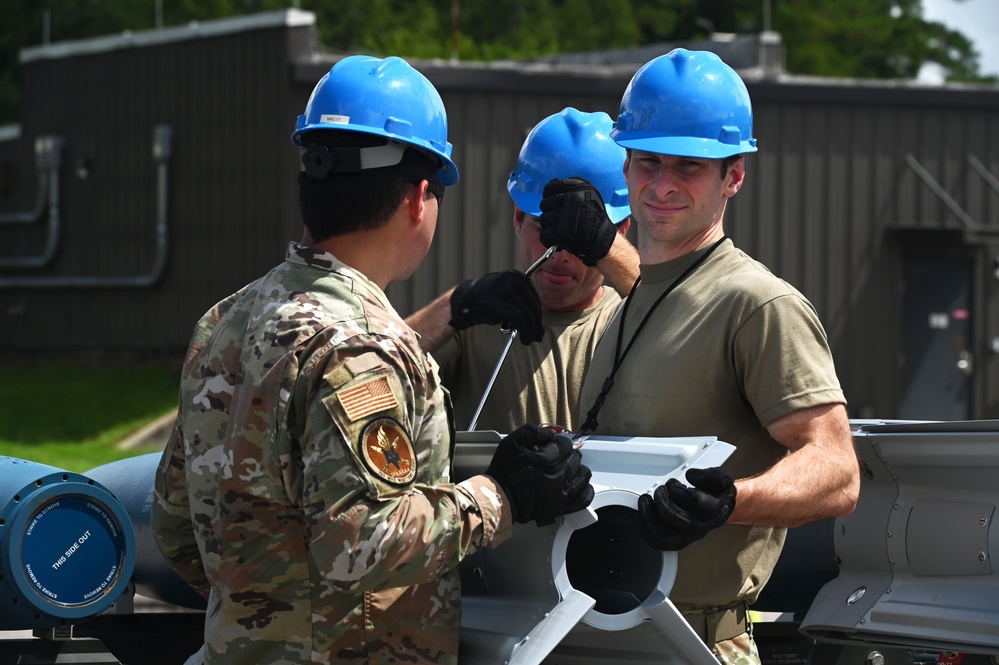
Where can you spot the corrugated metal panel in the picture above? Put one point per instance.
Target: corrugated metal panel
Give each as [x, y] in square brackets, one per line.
[829, 183]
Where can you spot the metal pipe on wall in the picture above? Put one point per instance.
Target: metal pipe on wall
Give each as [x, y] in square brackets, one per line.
[48, 160]
[983, 171]
[162, 144]
[935, 187]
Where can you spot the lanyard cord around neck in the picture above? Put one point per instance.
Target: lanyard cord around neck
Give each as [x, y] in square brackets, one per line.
[591, 416]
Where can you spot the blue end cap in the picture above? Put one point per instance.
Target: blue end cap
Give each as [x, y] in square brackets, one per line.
[67, 546]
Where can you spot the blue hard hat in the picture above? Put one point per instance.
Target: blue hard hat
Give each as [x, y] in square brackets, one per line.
[571, 143]
[689, 104]
[384, 97]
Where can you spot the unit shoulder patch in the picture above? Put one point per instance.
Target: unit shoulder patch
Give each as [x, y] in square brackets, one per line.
[387, 451]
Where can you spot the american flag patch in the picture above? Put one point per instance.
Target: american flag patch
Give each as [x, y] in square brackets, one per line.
[367, 398]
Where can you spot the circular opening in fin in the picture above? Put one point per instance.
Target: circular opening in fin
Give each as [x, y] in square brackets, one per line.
[610, 562]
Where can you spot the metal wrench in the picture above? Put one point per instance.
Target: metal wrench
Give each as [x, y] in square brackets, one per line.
[509, 342]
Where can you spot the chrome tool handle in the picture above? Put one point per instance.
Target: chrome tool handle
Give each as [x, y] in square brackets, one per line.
[506, 349]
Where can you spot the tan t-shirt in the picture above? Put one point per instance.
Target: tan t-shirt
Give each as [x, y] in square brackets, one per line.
[538, 383]
[729, 351]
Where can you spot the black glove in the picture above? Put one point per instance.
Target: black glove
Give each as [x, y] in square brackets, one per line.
[541, 474]
[574, 218]
[678, 515]
[506, 298]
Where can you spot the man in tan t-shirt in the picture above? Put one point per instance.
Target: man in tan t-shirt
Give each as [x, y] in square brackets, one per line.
[561, 311]
[710, 343]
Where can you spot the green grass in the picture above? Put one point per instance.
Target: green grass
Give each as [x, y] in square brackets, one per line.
[72, 414]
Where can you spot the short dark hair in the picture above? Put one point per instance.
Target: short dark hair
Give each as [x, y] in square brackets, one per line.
[346, 202]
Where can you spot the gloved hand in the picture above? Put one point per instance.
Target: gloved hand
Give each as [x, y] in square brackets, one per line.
[677, 515]
[574, 218]
[541, 474]
[506, 298]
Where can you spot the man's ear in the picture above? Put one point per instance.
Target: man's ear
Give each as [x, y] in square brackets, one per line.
[415, 201]
[624, 225]
[735, 176]
[518, 219]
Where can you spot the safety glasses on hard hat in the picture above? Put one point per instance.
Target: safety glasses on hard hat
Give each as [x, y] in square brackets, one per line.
[434, 186]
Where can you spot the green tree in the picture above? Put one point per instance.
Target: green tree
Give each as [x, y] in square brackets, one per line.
[485, 30]
[870, 39]
[26, 23]
[859, 38]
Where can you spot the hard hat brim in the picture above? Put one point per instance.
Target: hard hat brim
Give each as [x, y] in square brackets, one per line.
[682, 146]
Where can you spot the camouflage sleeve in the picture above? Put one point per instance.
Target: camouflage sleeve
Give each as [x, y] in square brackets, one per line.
[171, 511]
[210, 320]
[378, 497]
[171, 515]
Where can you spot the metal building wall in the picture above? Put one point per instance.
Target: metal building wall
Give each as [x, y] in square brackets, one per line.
[223, 94]
[829, 203]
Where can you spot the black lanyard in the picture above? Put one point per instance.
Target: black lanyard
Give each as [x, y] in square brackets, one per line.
[591, 416]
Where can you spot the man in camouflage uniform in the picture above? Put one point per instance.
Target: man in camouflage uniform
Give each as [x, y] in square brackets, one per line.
[305, 490]
[710, 343]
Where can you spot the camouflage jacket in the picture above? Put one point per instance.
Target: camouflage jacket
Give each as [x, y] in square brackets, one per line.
[305, 489]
